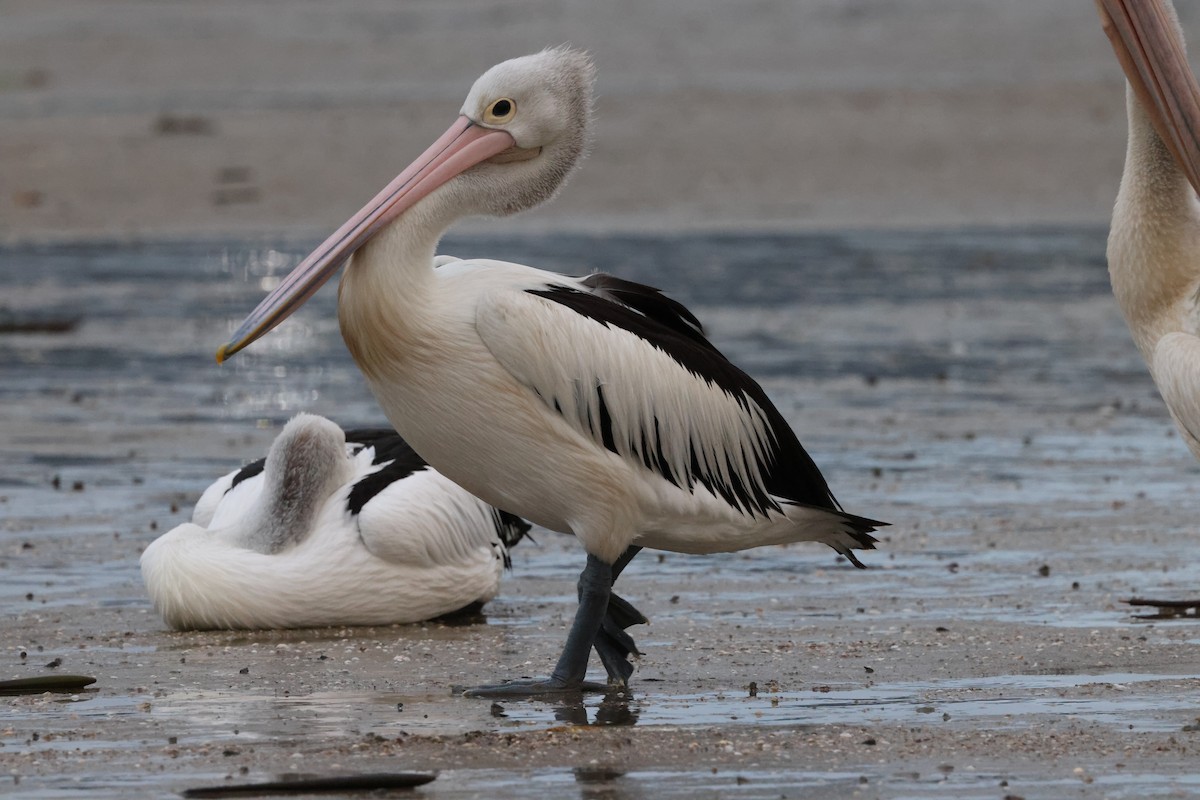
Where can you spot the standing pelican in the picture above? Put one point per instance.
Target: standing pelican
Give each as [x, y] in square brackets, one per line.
[593, 406]
[1154, 243]
[331, 528]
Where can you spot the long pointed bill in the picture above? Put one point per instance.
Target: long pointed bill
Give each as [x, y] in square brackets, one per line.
[463, 146]
[1147, 44]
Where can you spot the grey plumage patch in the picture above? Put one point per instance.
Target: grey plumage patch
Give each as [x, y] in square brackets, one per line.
[305, 464]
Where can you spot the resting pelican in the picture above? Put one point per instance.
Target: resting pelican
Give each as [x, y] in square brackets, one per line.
[329, 529]
[593, 406]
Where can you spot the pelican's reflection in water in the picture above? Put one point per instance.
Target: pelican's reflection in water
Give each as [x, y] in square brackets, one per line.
[598, 782]
[614, 709]
[595, 781]
[605, 783]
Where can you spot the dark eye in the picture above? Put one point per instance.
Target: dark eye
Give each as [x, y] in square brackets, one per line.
[500, 111]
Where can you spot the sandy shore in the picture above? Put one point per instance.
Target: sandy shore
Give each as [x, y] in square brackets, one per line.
[142, 119]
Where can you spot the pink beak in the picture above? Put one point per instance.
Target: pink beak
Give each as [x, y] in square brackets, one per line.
[461, 147]
[1148, 46]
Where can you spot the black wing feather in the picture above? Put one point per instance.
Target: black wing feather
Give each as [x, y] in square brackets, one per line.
[789, 473]
[247, 472]
[401, 459]
[651, 303]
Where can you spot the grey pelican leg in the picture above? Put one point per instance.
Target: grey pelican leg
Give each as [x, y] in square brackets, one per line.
[595, 588]
[613, 644]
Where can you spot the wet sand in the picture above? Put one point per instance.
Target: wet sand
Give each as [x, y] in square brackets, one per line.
[973, 385]
[134, 119]
[1007, 429]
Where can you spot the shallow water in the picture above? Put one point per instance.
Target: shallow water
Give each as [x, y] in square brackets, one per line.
[971, 703]
[978, 389]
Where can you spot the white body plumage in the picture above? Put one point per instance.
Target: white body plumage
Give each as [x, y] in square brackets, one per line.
[508, 387]
[293, 546]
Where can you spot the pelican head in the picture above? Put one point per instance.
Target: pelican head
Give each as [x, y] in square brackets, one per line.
[544, 102]
[521, 131]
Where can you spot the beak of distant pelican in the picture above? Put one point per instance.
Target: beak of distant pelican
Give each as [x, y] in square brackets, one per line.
[461, 147]
[1147, 44]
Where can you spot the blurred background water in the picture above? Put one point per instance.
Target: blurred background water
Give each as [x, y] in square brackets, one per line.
[1005, 344]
